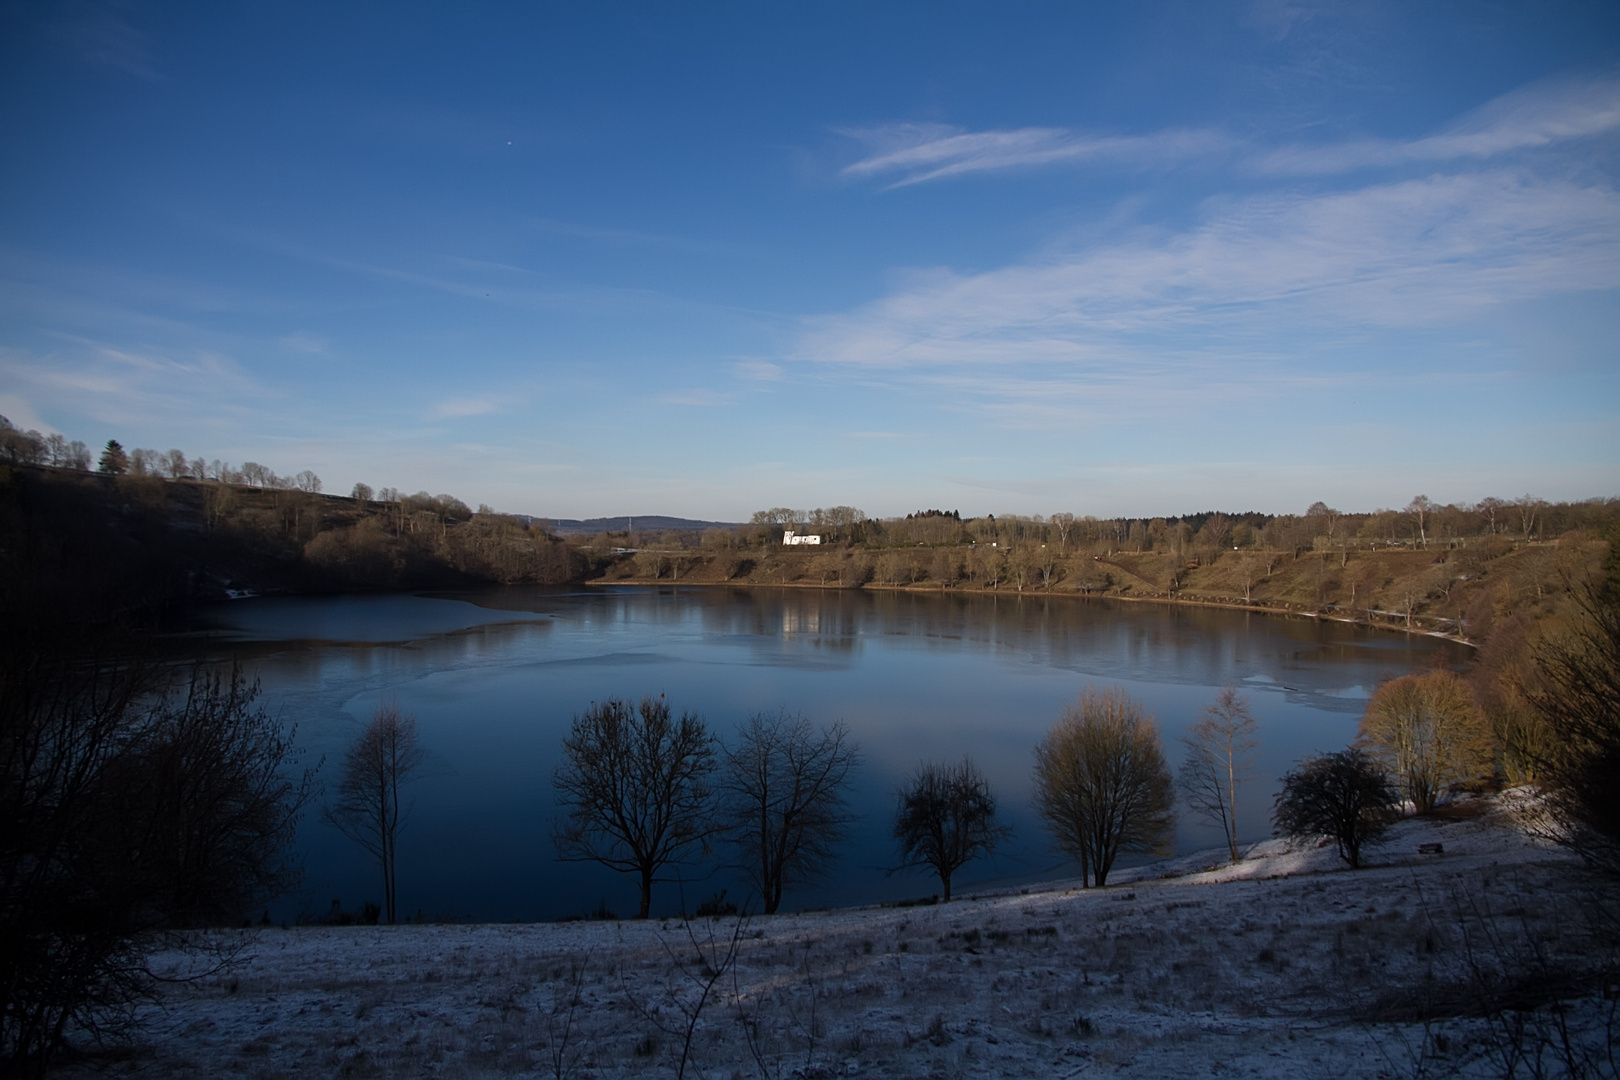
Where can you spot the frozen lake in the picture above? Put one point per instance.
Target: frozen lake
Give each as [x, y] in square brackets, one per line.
[494, 677]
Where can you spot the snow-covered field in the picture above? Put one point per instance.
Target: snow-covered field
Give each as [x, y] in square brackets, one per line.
[1284, 965]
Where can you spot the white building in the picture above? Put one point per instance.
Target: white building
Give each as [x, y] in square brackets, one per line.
[790, 539]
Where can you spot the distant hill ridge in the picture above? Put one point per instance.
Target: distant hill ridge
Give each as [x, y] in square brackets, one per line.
[642, 523]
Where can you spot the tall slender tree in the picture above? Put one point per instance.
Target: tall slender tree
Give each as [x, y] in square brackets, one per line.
[1220, 754]
[369, 809]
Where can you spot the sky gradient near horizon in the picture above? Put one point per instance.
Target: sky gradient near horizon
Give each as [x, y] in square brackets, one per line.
[581, 260]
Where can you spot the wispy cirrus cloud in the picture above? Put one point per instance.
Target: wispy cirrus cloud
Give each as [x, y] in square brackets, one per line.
[1531, 118]
[1228, 308]
[456, 408]
[1534, 117]
[758, 371]
[1232, 301]
[128, 386]
[21, 414]
[916, 153]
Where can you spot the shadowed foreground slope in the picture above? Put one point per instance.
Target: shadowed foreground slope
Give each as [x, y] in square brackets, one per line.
[1275, 967]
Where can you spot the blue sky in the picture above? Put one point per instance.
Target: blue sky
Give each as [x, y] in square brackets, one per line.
[1144, 258]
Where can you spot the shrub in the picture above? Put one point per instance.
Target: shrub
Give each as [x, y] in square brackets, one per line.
[130, 809]
[1343, 795]
[1581, 705]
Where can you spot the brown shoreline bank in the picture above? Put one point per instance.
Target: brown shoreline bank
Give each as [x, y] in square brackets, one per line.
[1256, 608]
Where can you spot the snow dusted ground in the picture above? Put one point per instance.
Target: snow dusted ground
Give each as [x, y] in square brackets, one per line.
[1285, 965]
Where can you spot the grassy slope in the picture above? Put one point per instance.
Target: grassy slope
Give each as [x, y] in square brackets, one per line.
[1273, 967]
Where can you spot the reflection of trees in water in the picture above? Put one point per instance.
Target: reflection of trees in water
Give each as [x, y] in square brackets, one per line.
[951, 672]
[310, 662]
[1100, 638]
[1103, 639]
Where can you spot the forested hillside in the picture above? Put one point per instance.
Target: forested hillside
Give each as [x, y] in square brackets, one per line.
[1463, 571]
[122, 546]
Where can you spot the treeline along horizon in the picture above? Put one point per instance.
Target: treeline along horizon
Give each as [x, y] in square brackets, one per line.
[179, 528]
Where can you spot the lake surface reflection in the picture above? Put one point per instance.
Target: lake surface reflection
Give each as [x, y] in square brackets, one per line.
[494, 677]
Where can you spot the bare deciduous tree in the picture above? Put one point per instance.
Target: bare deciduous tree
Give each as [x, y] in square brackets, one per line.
[1343, 795]
[368, 808]
[784, 798]
[1064, 524]
[1217, 528]
[636, 785]
[130, 808]
[1326, 514]
[1220, 753]
[1529, 508]
[1420, 508]
[1428, 732]
[1101, 782]
[946, 819]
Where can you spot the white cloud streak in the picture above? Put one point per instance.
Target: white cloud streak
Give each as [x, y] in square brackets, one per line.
[758, 371]
[1534, 117]
[923, 152]
[1414, 253]
[136, 387]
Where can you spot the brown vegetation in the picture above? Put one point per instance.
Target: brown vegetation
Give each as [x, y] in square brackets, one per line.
[1101, 782]
[1429, 733]
[1461, 572]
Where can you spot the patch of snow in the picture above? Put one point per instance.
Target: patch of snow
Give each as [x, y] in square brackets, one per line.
[1285, 964]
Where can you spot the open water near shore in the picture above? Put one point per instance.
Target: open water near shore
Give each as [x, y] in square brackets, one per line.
[495, 675]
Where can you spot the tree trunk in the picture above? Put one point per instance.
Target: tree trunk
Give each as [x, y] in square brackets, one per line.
[646, 894]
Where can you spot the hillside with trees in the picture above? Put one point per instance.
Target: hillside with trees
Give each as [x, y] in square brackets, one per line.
[128, 541]
[150, 527]
[1463, 571]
